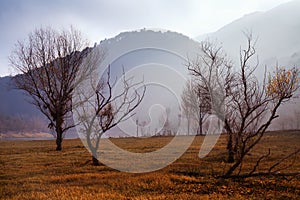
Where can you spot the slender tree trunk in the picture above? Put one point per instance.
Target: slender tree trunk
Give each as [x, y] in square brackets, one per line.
[95, 158]
[59, 133]
[230, 149]
[232, 168]
[95, 161]
[188, 125]
[200, 122]
[201, 126]
[93, 151]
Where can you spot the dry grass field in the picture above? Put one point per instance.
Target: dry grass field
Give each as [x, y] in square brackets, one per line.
[34, 170]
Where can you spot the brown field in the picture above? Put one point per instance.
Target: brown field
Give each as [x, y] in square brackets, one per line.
[34, 170]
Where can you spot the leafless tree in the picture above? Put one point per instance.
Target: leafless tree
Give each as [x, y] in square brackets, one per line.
[165, 123]
[251, 106]
[212, 72]
[196, 105]
[186, 106]
[143, 128]
[102, 106]
[254, 105]
[168, 122]
[47, 64]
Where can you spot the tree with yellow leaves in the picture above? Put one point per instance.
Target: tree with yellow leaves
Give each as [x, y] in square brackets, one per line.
[283, 83]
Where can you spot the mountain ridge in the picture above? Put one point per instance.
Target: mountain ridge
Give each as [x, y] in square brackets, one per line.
[277, 31]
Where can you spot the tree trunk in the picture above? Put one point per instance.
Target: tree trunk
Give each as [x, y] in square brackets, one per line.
[201, 126]
[188, 125]
[95, 161]
[93, 151]
[199, 131]
[95, 157]
[230, 150]
[232, 168]
[59, 139]
[59, 131]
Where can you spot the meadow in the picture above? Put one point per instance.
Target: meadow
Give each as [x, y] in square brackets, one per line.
[34, 170]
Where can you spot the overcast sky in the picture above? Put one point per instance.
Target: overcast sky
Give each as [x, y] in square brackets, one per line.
[100, 19]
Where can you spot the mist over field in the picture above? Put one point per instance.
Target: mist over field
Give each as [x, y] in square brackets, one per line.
[276, 31]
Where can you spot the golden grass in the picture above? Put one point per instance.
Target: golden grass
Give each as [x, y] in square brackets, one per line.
[34, 170]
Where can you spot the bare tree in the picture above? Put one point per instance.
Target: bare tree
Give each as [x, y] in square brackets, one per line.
[251, 105]
[196, 105]
[48, 63]
[103, 107]
[165, 123]
[168, 122]
[254, 105]
[212, 72]
[186, 104]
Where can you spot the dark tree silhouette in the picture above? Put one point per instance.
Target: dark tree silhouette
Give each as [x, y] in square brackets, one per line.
[47, 64]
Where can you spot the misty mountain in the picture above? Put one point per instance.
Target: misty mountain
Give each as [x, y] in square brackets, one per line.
[277, 32]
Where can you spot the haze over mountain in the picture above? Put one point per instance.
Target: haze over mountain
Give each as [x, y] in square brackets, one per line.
[277, 31]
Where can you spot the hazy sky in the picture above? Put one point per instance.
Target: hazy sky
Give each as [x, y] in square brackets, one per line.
[100, 19]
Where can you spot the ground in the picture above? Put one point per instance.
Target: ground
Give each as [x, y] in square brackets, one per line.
[34, 170]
